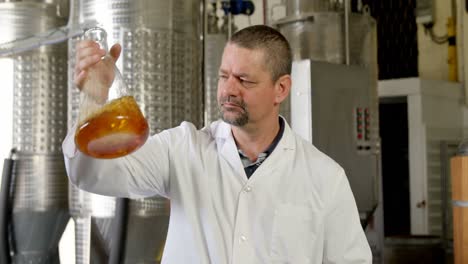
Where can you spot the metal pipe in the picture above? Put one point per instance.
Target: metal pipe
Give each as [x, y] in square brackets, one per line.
[117, 251]
[229, 25]
[98, 251]
[454, 9]
[452, 50]
[83, 240]
[459, 15]
[202, 38]
[294, 19]
[347, 9]
[54, 36]
[444, 191]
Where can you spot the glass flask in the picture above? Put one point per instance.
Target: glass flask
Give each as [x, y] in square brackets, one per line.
[110, 123]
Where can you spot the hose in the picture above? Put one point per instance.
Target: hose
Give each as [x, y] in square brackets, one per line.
[5, 209]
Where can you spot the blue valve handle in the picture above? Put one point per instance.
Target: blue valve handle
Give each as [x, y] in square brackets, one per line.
[236, 7]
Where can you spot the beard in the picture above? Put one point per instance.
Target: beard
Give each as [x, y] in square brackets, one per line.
[240, 118]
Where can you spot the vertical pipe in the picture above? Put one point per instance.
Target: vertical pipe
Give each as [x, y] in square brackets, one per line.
[454, 9]
[459, 17]
[452, 46]
[83, 240]
[203, 33]
[117, 252]
[347, 9]
[229, 25]
[452, 50]
[444, 191]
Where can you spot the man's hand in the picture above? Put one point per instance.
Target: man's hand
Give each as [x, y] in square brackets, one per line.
[90, 56]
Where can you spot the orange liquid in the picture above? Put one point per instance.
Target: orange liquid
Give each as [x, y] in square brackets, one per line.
[118, 129]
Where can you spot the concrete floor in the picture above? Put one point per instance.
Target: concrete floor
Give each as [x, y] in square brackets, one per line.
[415, 251]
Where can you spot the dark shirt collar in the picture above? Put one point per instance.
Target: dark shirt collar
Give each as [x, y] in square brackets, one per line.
[262, 156]
[278, 137]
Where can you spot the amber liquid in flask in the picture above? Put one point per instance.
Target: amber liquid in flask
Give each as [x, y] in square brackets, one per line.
[115, 130]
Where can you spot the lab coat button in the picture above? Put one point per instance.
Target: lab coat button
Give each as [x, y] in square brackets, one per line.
[248, 189]
[243, 239]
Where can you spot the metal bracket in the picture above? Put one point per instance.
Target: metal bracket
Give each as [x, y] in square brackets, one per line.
[460, 203]
[289, 20]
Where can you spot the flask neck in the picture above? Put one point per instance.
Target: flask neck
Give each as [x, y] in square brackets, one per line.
[98, 35]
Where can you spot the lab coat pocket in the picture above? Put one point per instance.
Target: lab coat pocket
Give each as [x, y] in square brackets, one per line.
[294, 234]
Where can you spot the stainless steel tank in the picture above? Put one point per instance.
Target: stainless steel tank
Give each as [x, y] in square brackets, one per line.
[318, 35]
[161, 63]
[40, 211]
[316, 30]
[214, 47]
[298, 7]
[92, 213]
[214, 41]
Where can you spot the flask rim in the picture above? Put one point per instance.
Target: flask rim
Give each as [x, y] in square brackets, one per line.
[97, 34]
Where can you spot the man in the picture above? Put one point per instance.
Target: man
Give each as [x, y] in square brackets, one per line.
[242, 190]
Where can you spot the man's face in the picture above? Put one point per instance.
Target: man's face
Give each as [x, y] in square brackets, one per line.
[246, 92]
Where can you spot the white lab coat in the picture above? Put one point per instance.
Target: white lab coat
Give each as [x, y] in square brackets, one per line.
[296, 208]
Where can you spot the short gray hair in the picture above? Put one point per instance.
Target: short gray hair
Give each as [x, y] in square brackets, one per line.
[277, 51]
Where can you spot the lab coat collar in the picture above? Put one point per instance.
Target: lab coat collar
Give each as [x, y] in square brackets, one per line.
[227, 147]
[222, 131]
